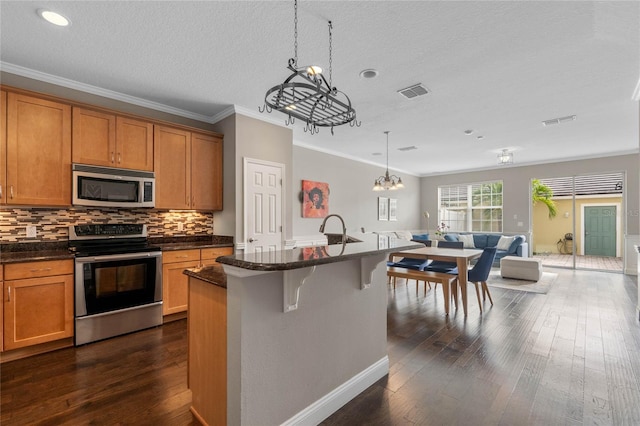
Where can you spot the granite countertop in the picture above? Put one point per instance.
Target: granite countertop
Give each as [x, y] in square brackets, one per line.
[32, 252]
[296, 258]
[211, 274]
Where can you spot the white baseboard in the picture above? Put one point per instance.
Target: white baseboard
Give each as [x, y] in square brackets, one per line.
[331, 402]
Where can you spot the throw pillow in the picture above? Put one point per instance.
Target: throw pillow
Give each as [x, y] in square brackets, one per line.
[505, 242]
[467, 239]
[404, 235]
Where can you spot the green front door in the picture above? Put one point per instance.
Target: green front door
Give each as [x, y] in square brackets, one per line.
[600, 231]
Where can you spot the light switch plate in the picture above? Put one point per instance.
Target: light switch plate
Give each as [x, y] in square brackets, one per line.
[31, 231]
[180, 226]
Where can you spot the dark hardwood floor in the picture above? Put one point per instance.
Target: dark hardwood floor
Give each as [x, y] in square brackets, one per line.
[570, 357]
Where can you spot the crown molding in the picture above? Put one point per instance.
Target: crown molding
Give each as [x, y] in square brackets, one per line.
[352, 158]
[237, 109]
[98, 91]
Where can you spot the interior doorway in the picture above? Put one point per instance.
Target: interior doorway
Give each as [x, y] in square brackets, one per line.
[263, 206]
[587, 230]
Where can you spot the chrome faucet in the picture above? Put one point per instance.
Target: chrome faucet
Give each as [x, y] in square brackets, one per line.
[344, 227]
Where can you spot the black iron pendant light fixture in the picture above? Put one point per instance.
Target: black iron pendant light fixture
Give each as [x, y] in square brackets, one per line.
[307, 95]
[387, 182]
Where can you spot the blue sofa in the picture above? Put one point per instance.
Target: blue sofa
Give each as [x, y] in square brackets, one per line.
[518, 247]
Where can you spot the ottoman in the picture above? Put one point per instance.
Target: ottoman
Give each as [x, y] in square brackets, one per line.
[524, 268]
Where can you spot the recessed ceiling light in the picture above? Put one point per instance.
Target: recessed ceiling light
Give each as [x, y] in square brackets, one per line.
[468, 132]
[376, 153]
[480, 137]
[370, 73]
[54, 18]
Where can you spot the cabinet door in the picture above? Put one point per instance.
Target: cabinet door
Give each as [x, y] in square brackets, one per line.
[206, 172]
[134, 143]
[94, 138]
[1, 312]
[3, 147]
[37, 310]
[172, 163]
[175, 286]
[38, 151]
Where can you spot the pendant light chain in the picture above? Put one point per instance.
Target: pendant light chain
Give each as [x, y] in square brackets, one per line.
[295, 33]
[307, 95]
[330, 58]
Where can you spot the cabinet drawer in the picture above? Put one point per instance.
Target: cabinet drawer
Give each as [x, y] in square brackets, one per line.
[213, 253]
[16, 271]
[181, 256]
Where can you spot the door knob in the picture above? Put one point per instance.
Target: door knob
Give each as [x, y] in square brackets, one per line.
[251, 240]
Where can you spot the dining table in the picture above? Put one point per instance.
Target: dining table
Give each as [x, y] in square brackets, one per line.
[462, 257]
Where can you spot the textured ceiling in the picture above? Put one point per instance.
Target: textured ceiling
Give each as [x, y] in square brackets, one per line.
[499, 68]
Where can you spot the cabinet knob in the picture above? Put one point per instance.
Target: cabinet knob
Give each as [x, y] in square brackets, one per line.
[119, 158]
[113, 159]
[11, 191]
[251, 240]
[0, 191]
[9, 294]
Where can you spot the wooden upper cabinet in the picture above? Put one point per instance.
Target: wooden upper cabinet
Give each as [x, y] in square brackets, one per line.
[38, 151]
[134, 143]
[172, 161]
[188, 169]
[103, 139]
[94, 137]
[3, 147]
[206, 172]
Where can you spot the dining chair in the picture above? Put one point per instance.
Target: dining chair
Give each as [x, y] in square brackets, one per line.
[441, 265]
[409, 263]
[479, 273]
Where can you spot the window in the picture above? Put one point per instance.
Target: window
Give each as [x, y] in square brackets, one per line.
[475, 207]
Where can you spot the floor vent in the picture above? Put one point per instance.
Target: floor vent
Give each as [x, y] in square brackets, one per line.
[413, 91]
[408, 148]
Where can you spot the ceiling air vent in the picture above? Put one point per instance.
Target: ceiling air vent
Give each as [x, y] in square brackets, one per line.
[408, 148]
[413, 91]
[558, 120]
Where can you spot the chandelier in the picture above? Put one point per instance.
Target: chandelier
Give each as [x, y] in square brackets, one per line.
[307, 95]
[505, 157]
[387, 182]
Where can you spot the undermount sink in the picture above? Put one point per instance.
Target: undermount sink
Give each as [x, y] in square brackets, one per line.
[337, 239]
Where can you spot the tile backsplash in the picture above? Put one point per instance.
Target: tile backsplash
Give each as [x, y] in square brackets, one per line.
[52, 225]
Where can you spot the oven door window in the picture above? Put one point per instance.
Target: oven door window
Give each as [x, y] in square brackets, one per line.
[109, 286]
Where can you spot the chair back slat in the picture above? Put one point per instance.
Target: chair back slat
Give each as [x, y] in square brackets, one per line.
[451, 244]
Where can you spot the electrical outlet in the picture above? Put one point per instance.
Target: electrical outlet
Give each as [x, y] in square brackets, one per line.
[180, 226]
[31, 231]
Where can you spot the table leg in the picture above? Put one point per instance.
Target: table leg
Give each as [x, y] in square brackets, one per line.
[462, 281]
[447, 295]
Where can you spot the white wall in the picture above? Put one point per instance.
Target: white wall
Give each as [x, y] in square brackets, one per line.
[351, 196]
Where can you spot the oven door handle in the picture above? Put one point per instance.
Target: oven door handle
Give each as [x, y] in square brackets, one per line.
[111, 257]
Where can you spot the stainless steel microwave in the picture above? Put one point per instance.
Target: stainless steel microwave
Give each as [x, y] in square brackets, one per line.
[109, 187]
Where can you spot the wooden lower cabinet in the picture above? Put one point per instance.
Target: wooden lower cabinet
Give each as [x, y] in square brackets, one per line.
[207, 330]
[174, 282]
[1, 311]
[37, 303]
[208, 256]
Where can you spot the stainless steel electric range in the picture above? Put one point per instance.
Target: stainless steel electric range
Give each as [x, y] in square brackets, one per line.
[118, 280]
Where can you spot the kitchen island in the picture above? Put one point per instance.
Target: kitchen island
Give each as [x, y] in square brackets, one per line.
[288, 337]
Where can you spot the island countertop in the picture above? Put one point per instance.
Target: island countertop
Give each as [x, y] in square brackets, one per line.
[304, 257]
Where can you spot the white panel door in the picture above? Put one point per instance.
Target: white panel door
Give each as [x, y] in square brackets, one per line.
[263, 206]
